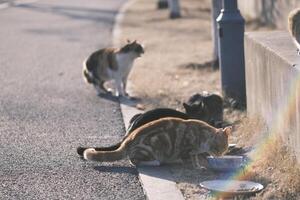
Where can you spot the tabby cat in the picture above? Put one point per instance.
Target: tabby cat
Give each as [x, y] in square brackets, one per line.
[166, 141]
[139, 120]
[206, 107]
[111, 64]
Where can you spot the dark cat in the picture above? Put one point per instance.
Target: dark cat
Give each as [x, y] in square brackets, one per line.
[206, 107]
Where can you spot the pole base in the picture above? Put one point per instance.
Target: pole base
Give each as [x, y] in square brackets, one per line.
[175, 15]
[215, 64]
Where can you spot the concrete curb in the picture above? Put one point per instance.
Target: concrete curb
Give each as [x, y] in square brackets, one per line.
[157, 182]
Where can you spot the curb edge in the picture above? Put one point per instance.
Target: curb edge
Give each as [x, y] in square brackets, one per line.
[157, 182]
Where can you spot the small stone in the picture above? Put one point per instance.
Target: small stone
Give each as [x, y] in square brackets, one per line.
[161, 92]
[270, 168]
[140, 106]
[185, 83]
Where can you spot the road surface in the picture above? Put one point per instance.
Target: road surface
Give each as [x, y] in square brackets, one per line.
[46, 109]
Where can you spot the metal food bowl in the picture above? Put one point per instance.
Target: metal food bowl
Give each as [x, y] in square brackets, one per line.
[232, 186]
[226, 163]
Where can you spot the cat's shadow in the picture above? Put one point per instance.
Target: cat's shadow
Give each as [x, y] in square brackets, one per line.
[116, 169]
[161, 172]
[129, 101]
[165, 172]
[109, 97]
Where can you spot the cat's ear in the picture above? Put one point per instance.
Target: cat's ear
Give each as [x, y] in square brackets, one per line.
[128, 41]
[186, 107]
[227, 130]
[125, 48]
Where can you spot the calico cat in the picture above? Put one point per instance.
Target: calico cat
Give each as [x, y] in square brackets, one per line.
[207, 107]
[166, 141]
[294, 26]
[111, 64]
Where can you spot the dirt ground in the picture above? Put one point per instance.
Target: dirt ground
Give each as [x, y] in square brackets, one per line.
[161, 77]
[174, 67]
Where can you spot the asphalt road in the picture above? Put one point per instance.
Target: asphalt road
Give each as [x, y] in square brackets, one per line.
[46, 109]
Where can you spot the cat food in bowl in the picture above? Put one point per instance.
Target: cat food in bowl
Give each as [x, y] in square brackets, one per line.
[226, 163]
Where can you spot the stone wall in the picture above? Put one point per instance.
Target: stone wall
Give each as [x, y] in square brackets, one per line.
[273, 83]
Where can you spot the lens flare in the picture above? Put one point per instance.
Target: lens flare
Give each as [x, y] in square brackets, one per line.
[284, 119]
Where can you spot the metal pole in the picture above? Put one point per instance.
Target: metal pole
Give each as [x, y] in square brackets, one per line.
[231, 27]
[216, 9]
[162, 4]
[174, 9]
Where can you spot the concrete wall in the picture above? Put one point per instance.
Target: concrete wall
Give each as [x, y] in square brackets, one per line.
[250, 9]
[271, 12]
[273, 83]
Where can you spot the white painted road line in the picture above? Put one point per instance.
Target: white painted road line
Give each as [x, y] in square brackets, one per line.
[16, 3]
[118, 21]
[5, 5]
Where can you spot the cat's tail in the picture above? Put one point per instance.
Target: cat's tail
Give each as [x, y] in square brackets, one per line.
[80, 150]
[88, 75]
[104, 156]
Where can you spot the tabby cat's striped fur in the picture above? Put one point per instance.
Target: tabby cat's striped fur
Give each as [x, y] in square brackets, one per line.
[166, 140]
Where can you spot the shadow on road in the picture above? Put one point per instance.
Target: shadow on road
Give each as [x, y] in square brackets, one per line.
[72, 12]
[121, 100]
[109, 97]
[117, 169]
